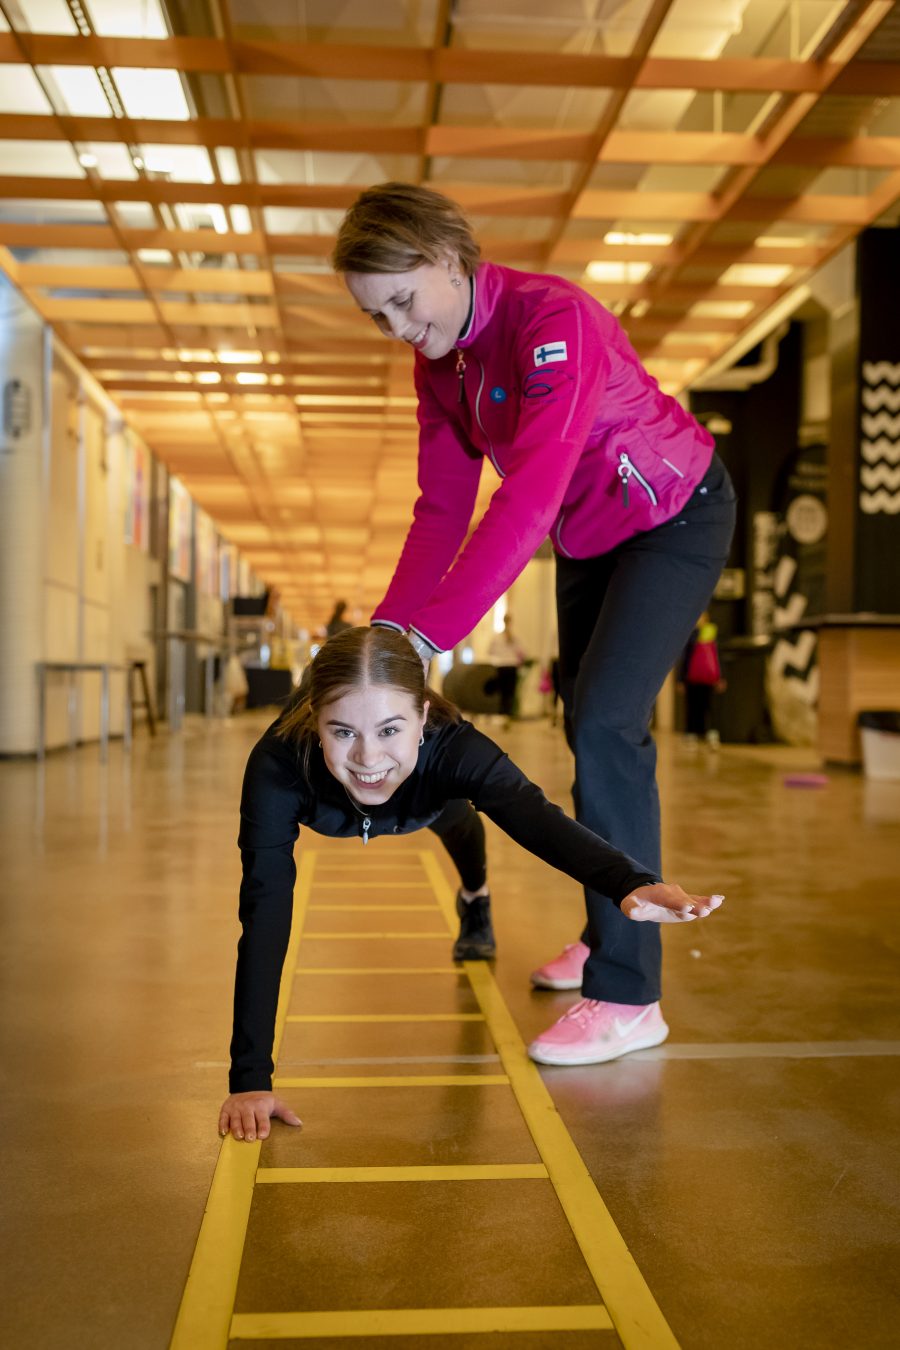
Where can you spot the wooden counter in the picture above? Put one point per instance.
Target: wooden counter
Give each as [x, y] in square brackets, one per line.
[859, 665]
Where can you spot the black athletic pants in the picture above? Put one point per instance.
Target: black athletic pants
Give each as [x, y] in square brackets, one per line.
[460, 830]
[624, 620]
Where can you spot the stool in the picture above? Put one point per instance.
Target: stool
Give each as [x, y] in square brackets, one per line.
[140, 668]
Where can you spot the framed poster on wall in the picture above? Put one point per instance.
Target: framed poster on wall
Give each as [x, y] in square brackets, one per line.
[227, 570]
[137, 510]
[206, 548]
[180, 511]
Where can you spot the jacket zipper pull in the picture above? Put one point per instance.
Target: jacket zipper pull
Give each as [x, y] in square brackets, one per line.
[624, 475]
[366, 826]
[461, 373]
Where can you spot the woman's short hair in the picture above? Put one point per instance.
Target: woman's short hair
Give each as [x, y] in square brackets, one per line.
[397, 227]
[349, 660]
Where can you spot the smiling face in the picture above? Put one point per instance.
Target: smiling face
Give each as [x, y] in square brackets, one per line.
[425, 307]
[370, 740]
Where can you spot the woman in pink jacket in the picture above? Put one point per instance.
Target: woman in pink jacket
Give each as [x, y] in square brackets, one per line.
[535, 374]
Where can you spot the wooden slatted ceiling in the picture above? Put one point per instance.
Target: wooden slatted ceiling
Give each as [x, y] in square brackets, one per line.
[674, 148]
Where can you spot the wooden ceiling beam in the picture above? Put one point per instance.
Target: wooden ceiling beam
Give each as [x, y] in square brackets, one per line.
[209, 281]
[573, 251]
[451, 66]
[598, 204]
[102, 311]
[361, 368]
[197, 279]
[593, 204]
[474, 142]
[653, 326]
[80, 336]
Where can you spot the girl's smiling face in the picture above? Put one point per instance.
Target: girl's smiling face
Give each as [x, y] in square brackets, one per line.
[425, 308]
[370, 740]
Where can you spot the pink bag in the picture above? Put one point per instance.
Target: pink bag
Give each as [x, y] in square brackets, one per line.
[703, 665]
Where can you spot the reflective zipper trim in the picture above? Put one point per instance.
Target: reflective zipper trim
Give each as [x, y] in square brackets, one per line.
[627, 469]
[559, 543]
[672, 467]
[481, 424]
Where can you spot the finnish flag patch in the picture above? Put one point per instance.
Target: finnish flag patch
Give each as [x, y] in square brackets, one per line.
[550, 351]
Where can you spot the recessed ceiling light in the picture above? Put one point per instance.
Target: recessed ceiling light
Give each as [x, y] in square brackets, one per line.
[624, 237]
[236, 358]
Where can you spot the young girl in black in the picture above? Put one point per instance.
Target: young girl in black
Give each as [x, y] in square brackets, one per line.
[365, 750]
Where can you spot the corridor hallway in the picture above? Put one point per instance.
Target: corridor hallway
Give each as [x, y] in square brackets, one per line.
[749, 1165]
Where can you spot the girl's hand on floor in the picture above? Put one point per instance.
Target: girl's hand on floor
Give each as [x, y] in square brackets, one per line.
[663, 903]
[246, 1115]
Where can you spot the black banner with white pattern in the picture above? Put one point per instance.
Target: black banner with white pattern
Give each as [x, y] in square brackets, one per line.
[878, 456]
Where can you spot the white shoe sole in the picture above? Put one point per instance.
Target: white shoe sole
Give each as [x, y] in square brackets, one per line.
[601, 1055]
[541, 982]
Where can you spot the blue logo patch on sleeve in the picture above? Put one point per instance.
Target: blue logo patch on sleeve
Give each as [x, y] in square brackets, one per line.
[498, 395]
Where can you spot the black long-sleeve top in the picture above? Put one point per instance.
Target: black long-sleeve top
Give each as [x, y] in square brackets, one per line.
[455, 762]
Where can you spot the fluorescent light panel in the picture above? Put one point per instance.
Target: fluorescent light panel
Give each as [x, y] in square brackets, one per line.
[152, 93]
[80, 90]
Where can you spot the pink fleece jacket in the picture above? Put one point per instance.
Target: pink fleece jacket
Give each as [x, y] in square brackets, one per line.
[589, 449]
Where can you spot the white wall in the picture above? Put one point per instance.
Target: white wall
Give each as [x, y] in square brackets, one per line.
[23, 386]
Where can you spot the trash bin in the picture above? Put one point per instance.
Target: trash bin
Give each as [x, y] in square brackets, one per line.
[880, 733]
[471, 687]
[741, 714]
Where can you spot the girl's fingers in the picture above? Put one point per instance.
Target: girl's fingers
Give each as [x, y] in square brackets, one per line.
[284, 1112]
[670, 905]
[248, 1121]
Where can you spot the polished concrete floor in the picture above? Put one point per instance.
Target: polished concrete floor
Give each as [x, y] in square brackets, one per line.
[751, 1164]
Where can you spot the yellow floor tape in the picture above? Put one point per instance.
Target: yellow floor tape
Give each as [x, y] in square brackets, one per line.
[206, 1320]
[417, 1322]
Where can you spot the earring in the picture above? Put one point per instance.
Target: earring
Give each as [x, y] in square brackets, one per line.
[422, 739]
[455, 281]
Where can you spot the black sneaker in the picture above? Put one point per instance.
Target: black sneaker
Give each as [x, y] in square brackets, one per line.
[476, 934]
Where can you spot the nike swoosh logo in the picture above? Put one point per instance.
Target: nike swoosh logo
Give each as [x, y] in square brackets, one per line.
[623, 1028]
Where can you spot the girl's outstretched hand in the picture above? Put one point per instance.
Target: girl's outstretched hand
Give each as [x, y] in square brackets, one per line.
[246, 1115]
[662, 903]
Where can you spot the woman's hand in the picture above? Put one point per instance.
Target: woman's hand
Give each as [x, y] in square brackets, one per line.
[246, 1115]
[663, 903]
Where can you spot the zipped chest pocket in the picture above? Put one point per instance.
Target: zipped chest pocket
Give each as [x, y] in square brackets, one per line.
[628, 470]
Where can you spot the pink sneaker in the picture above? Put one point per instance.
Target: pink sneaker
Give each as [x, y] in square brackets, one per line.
[592, 1032]
[564, 971]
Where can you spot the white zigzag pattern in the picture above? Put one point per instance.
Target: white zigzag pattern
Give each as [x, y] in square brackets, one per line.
[784, 575]
[881, 422]
[882, 397]
[873, 451]
[791, 611]
[798, 654]
[874, 371]
[880, 476]
[806, 690]
[876, 503]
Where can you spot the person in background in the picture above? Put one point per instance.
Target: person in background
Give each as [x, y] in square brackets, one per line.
[700, 676]
[364, 750]
[337, 623]
[505, 654]
[533, 373]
